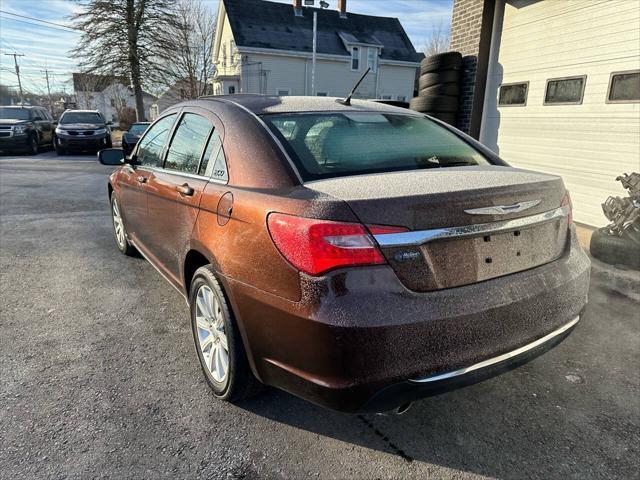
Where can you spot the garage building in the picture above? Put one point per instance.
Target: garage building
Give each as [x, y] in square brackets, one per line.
[554, 86]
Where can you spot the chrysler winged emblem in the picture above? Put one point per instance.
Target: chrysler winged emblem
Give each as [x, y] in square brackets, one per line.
[503, 209]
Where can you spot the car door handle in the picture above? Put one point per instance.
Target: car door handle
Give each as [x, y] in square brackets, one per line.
[142, 179]
[184, 189]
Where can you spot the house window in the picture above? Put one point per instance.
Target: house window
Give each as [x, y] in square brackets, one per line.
[624, 87]
[283, 92]
[321, 94]
[565, 91]
[513, 94]
[232, 89]
[402, 98]
[372, 59]
[386, 97]
[355, 58]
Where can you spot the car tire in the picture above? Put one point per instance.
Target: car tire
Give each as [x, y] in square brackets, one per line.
[213, 326]
[429, 79]
[614, 250]
[435, 103]
[32, 146]
[441, 61]
[59, 150]
[109, 143]
[452, 89]
[119, 231]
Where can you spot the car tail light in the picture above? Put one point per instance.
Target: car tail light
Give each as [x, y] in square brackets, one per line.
[316, 246]
[566, 200]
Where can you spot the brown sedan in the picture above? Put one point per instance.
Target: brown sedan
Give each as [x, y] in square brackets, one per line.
[360, 256]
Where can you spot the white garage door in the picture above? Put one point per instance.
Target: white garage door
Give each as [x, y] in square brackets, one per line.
[568, 128]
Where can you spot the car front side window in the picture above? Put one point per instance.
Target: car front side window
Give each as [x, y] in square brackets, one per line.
[151, 145]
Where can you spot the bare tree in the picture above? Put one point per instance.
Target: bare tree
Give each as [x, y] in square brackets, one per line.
[439, 41]
[121, 37]
[190, 61]
[85, 86]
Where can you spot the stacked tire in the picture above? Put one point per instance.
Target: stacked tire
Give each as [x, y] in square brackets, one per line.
[439, 86]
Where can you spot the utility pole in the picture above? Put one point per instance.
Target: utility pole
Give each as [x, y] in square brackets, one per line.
[15, 61]
[46, 73]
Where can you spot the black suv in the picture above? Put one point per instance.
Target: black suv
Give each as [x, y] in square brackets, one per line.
[82, 130]
[25, 128]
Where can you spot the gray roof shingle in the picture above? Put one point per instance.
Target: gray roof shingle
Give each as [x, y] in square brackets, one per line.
[263, 24]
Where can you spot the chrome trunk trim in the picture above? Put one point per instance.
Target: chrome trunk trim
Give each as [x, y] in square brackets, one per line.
[499, 358]
[423, 236]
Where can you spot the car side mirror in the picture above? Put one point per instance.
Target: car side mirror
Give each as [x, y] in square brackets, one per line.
[110, 123]
[111, 156]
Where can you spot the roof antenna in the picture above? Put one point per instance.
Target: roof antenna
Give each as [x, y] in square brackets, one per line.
[347, 101]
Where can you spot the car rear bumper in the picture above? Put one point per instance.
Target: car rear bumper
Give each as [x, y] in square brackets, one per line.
[359, 341]
[416, 388]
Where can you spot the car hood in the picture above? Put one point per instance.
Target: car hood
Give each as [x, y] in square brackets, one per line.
[12, 121]
[81, 126]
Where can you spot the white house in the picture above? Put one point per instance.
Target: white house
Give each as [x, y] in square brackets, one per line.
[108, 94]
[555, 86]
[266, 48]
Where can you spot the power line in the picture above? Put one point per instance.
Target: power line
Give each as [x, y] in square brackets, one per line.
[39, 20]
[38, 25]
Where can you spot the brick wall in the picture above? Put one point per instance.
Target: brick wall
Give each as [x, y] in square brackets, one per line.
[466, 30]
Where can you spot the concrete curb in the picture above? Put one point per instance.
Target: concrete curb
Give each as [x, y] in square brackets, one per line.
[624, 281]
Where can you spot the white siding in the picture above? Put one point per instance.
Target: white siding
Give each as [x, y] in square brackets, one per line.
[588, 144]
[334, 77]
[268, 73]
[396, 81]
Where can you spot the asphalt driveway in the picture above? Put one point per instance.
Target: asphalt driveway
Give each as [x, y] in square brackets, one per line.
[98, 376]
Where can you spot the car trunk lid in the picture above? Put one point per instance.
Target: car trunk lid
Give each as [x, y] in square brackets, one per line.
[467, 224]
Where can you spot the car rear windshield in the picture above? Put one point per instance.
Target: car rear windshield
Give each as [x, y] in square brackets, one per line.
[138, 128]
[14, 113]
[82, 117]
[327, 145]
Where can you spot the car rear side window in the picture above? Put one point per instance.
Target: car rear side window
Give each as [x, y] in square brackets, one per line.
[188, 143]
[336, 144]
[151, 145]
[210, 155]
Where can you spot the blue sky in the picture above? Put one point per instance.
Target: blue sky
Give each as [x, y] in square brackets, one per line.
[48, 45]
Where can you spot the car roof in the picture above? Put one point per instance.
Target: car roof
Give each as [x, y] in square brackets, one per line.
[266, 104]
[21, 106]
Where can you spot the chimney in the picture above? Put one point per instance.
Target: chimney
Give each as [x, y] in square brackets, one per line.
[342, 6]
[297, 8]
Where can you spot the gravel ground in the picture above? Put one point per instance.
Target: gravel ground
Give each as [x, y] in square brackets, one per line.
[99, 376]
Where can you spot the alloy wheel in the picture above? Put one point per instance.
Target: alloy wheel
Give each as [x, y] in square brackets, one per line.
[118, 225]
[211, 335]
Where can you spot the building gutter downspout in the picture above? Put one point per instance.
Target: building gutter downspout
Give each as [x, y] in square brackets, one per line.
[482, 66]
[492, 70]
